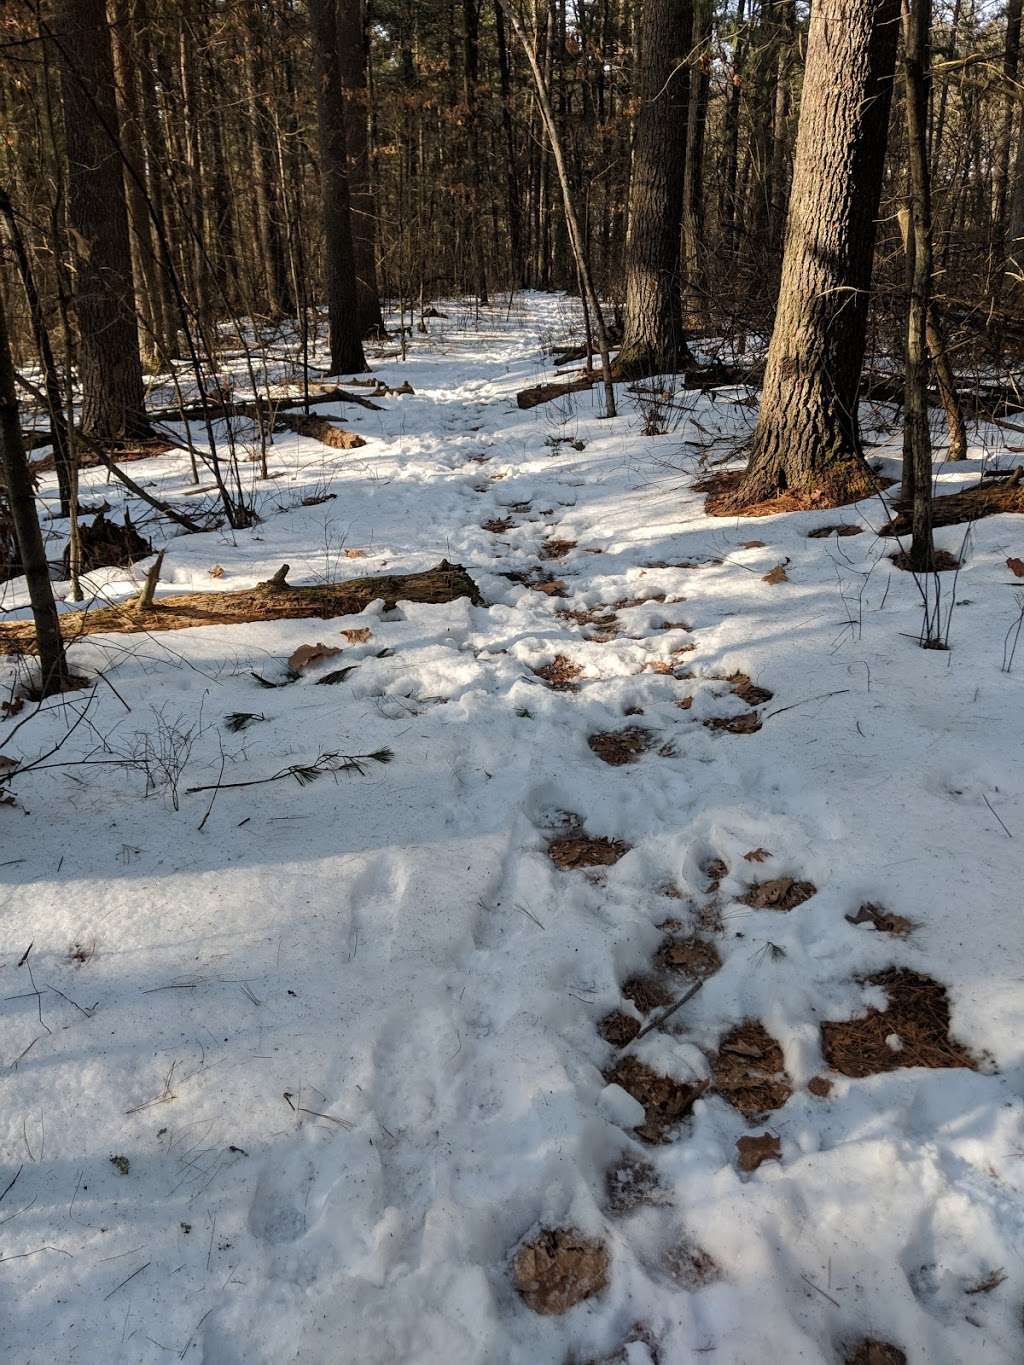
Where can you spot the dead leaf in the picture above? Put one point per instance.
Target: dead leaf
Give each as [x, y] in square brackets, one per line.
[1016, 566]
[752, 545]
[357, 637]
[776, 575]
[11, 708]
[6, 764]
[757, 855]
[754, 1150]
[355, 554]
[310, 654]
[217, 571]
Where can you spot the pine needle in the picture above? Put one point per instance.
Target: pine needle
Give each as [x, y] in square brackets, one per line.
[241, 720]
[288, 679]
[337, 676]
[305, 773]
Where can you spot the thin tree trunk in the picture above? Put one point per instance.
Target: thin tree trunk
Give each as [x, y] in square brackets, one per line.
[515, 228]
[346, 341]
[571, 220]
[54, 675]
[917, 444]
[352, 56]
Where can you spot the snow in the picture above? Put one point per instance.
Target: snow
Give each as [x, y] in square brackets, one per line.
[344, 1034]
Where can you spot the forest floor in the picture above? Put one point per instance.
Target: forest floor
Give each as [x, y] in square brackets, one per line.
[297, 1075]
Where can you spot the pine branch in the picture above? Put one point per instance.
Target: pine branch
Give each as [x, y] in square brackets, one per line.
[305, 773]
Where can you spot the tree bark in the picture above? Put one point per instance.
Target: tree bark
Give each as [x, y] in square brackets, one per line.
[352, 56]
[54, 674]
[346, 340]
[917, 442]
[654, 340]
[807, 438]
[113, 403]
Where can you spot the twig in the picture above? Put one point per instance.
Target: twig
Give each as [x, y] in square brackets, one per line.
[821, 697]
[996, 814]
[306, 773]
[656, 1023]
[124, 1282]
[11, 1183]
[808, 1280]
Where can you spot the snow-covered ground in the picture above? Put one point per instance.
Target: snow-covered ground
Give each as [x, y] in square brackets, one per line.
[342, 1038]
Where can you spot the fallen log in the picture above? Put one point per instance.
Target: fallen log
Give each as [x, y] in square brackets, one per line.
[985, 499]
[273, 600]
[698, 377]
[217, 412]
[321, 430]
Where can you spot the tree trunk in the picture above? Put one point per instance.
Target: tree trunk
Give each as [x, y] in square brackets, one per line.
[653, 340]
[352, 56]
[917, 443]
[113, 403]
[346, 341]
[807, 439]
[21, 500]
[694, 244]
[471, 76]
[515, 228]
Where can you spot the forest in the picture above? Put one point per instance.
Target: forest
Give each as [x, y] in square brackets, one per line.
[617, 407]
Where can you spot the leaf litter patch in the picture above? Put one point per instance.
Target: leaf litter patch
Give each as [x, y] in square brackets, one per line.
[618, 1028]
[842, 528]
[695, 958]
[749, 1071]
[666, 1101]
[560, 674]
[559, 1269]
[619, 747]
[873, 1352]
[691, 1266]
[631, 1182]
[913, 1030]
[647, 993]
[781, 893]
[574, 848]
[556, 549]
[881, 919]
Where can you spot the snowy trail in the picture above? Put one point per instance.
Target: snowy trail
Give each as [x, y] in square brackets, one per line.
[346, 1035]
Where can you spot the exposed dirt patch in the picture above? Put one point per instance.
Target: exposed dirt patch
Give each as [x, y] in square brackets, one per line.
[691, 1266]
[695, 958]
[666, 1101]
[105, 543]
[749, 1071]
[498, 525]
[618, 747]
[558, 1269]
[560, 674]
[268, 601]
[913, 1030]
[842, 528]
[873, 1352]
[618, 1028]
[746, 724]
[781, 893]
[647, 993]
[632, 1181]
[578, 850]
[714, 869]
[754, 1151]
[747, 691]
[942, 562]
[883, 920]
[556, 549]
[820, 1087]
